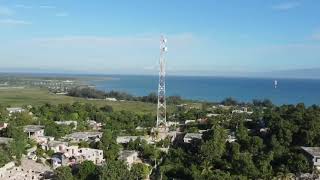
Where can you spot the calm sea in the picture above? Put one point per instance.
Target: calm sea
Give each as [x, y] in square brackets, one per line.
[289, 91]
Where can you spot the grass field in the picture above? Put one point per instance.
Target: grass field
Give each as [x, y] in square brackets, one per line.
[36, 97]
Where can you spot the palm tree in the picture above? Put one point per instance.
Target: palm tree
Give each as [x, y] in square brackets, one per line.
[206, 168]
[284, 176]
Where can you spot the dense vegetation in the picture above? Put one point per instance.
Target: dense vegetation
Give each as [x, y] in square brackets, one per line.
[97, 94]
[255, 154]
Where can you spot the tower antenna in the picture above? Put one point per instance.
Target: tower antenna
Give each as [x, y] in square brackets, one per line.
[162, 107]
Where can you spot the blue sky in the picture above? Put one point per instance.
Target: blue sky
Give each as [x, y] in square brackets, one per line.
[205, 37]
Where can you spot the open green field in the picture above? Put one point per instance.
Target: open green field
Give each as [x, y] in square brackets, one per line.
[36, 97]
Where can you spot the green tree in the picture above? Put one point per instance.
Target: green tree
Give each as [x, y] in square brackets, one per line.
[4, 157]
[213, 149]
[114, 170]
[139, 171]
[87, 171]
[109, 145]
[63, 173]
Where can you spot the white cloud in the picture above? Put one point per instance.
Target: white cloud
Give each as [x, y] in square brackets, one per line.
[47, 7]
[286, 6]
[4, 11]
[23, 6]
[62, 14]
[13, 22]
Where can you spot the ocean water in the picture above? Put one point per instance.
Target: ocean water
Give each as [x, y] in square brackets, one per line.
[289, 91]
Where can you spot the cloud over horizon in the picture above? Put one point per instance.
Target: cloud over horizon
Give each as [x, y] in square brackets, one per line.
[14, 22]
[286, 6]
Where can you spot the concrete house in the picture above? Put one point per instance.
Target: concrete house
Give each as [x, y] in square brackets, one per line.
[34, 131]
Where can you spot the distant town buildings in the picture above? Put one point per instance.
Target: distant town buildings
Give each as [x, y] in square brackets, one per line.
[242, 110]
[127, 139]
[12, 110]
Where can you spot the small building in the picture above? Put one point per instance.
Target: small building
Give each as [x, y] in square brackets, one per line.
[88, 154]
[68, 123]
[3, 125]
[209, 115]
[44, 139]
[129, 157]
[12, 110]
[94, 125]
[314, 153]
[55, 146]
[75, 155]
[189, 121]
[5, 140]
[189, 137]
[34, 131]
[111, 99]
[84, 136]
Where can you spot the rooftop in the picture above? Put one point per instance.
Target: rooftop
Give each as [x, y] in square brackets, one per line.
[5, 140]
[193, 135]
[314, 151]
[127, 153]
[15, 109]
[56, 143]
[33, 128]
[80, 135]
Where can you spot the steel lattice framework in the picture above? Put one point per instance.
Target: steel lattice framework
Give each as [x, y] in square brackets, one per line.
[162, 107]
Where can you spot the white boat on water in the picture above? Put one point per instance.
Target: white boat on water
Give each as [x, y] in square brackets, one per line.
[275, 84]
